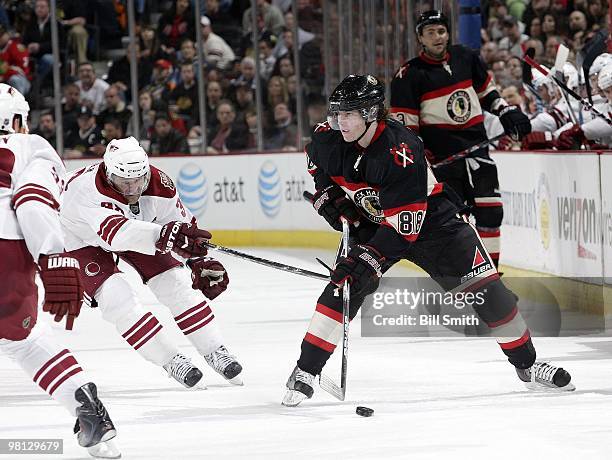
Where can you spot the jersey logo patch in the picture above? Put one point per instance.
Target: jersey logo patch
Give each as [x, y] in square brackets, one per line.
[478, 259]
[322, 127]
[459, 106]
[368, 200]
[402, 70]
[166, 181]
[402, 155]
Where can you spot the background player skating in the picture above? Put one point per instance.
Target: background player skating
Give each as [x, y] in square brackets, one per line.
[441, 95]
[31, 241]
[124, 207]
[372, 170]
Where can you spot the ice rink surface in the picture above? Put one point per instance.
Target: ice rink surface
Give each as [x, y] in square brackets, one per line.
[434, 398]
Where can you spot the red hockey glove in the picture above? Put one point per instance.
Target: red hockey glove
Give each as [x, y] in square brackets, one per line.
[362, 267]
[184, 239]
[538, 140]
[570, 139]
[209, 276]
[332, 203]
[61, 278]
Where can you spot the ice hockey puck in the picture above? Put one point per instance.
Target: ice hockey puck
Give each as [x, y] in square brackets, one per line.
[364, 411]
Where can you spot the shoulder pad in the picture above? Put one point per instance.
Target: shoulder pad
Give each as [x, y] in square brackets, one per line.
[324, 134]
[161, 184]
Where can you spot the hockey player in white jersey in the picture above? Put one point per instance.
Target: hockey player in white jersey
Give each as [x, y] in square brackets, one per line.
[596, 132]
[31, 241]
[124, 207]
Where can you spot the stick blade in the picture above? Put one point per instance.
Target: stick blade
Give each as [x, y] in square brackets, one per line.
[328, 385]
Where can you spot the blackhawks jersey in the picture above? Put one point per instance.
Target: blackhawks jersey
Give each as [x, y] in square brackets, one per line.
[389, 181]
[95, 214]
[443, 100]
[31, 180]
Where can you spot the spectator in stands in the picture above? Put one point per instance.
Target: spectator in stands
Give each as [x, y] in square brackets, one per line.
[119, 73]
[515, 67]
[250, 118]
[272, 18]
[14, 63]
[550, 52]
[185, 96]
[316, 110]
[596, 13]
[149, 43]
[214, 94]
[217, 53]
[147, 115]
[175, 25]
[499, 71]
[303, 36]
[92, 88]
[225, 24]
[46, 127]
[577, 22]
[549, 26]
[188, 53]
[535, 8]
[161, 82]
[115, 108]
[37, 38]
[229, 134]
[277, 92]
[71, 107]
[113, 129]
[284, 67]
[244, 97]
[535, 28]
[310, 61]
[107, 14]
[512, 96]
[247, 72]
[513, 38]
[283, 135]
[292, 89]
[488, 52]
[87, 140]
[166, 139]
[266, 45]
[74, 14]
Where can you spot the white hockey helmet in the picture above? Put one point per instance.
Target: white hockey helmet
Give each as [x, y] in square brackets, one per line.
[599, 63]
[604, 79]
[570, 74]
[127, 167]
[540, 80]
[12, 104]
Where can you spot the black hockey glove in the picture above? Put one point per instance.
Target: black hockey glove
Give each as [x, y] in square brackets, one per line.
[331, 203]
[515, 122]
[362, 267]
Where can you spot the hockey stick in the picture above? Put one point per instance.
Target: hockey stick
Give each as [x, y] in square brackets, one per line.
[560, 60]
[325, 382]
[266, 262]
[586, 104]
[467, 152]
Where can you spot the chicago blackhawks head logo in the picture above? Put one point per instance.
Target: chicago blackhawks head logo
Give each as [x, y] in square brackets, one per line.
[459, 107]
[367, 199]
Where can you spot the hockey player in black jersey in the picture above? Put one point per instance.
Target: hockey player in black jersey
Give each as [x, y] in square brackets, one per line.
[372, 171]
[441, 95]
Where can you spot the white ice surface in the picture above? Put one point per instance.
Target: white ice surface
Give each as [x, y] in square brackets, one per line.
[434, 398]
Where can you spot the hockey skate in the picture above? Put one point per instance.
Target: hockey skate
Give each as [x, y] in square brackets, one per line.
[94, 428]
[225, 364]
[299, 387]
[181, 369]
[544, 376]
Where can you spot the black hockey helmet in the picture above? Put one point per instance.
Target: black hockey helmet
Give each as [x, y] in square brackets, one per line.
[364, 93]
[432, 17]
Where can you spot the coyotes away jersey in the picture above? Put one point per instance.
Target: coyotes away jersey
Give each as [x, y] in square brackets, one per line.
[31, 181]
[443, 100]
[95, 214]
[389, 181]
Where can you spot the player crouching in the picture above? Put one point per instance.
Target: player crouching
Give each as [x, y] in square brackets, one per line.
[408, 215]
[124, 208]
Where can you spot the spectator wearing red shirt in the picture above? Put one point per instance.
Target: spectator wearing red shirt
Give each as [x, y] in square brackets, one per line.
[14, 63]
[175, 25]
